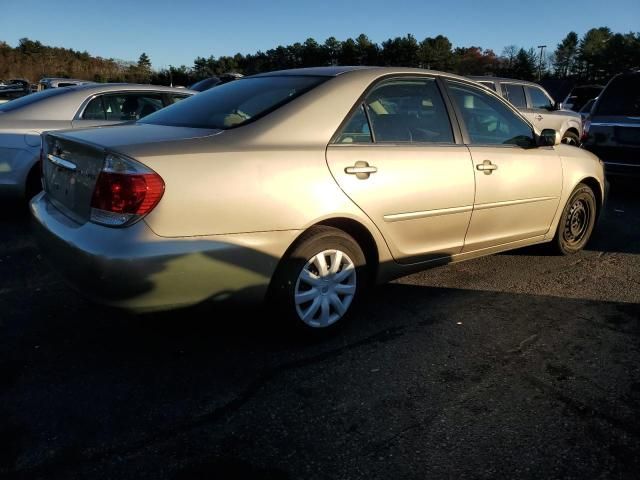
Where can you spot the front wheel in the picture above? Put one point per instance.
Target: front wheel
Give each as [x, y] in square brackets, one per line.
[577, 221]
[317, 286]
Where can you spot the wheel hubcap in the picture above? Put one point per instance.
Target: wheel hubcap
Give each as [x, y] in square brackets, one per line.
[577, 222]
[325, 288]
[569, 141]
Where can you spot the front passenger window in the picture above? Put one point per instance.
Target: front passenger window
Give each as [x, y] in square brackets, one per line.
[539, 99]
[488, 121]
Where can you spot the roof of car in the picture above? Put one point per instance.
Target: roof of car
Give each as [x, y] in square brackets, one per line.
[340, 70]
[501, 79]
[314, 71]
[108, 87]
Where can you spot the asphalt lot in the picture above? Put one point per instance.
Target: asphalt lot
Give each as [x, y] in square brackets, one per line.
[519, 365]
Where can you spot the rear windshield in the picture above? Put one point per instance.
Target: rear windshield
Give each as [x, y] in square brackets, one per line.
[621, 97]
[234, 103]
[31, 99]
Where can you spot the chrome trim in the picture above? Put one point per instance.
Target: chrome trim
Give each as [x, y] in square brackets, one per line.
[399, 217]
[484, 206]
[61, 162]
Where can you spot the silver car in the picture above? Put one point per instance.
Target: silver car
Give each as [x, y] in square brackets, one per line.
[537, 106]
[304, 187]
[24, 119]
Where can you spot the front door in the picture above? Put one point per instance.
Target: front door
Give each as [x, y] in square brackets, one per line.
[518, 185]
[397, 159]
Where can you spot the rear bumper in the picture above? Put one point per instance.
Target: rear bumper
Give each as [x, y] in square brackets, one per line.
[135, 269]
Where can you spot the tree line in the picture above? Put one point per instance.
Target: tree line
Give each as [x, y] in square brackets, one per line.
[594, 57]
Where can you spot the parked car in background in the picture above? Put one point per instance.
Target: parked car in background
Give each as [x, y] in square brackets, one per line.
[537, 106]
[613, 129]
[304, 186]
[46, 83]
[585, 111]
[22, 121]
[579, 96]
[214, 81]
[13, 89]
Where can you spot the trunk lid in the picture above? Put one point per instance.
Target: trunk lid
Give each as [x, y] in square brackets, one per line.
[73, 160]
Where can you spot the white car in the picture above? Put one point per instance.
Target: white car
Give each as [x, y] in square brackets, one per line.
[23, 120]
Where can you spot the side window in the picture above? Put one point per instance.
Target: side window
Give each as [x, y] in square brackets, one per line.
[515, 94]
[487, 119]
[173, 98]
[94, 110]
[408, 110]
[130, 106]
[539, 99]
[357, 129]
[490, 85]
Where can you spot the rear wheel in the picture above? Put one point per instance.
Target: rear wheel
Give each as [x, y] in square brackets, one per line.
[577, 221]
[571, 138]
[318, 285]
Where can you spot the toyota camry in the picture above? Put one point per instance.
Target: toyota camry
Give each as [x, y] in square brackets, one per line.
[303, 188]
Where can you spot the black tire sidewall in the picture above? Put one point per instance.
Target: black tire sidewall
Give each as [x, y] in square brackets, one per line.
[581, 191]
[573, 136]
[310, 244]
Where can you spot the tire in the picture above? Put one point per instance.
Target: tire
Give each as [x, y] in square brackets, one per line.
[577, 221]
[571, 138]
[309, 300]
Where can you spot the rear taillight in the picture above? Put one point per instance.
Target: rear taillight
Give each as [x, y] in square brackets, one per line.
[125, 191]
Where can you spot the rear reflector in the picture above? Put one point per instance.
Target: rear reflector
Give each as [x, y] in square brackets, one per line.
[125, 191]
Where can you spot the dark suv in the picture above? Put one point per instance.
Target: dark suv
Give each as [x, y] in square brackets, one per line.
[613, 131]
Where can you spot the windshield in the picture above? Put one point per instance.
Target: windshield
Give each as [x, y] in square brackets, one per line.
[621, 97]
[31, 99]
[234, 103]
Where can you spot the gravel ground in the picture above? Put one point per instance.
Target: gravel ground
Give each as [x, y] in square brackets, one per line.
[519, 365]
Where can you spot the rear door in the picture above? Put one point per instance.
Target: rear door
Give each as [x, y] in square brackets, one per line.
[518, 185]
[399, 159]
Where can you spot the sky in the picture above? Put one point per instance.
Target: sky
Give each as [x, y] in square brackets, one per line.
[175, 32]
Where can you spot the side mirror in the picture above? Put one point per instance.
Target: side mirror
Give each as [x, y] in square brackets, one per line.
[558, 106]
[549, 138]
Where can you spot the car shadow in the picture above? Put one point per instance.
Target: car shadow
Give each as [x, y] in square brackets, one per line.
[102, 389]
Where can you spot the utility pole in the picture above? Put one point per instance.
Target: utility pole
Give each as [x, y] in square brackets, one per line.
[541, 47]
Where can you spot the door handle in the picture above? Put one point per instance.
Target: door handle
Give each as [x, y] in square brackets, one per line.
[538, 117]
[487, 167]
[362, 170]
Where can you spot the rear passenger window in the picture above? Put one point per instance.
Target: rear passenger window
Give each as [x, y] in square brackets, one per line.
[357, 129]
[515, 94]
[408, 110]
[94, 110]
[177, 98]
[122, 107]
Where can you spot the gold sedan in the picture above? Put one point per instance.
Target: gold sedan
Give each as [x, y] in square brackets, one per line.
[304, 187]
